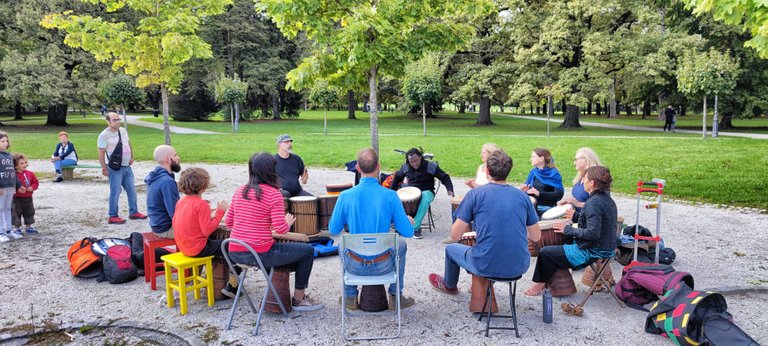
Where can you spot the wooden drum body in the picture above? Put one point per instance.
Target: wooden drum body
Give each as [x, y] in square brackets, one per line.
[548, 237]
[335, 189]
[304, 208]
[281, 281]
[455, 202]
[410, 197]
[479, 283]
[325, 205]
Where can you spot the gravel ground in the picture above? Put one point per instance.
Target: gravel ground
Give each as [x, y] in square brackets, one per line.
[722, 248]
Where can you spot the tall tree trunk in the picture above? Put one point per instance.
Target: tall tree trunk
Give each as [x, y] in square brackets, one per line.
[725, 122]
[237, 116]
[501, 107]
[714, 119]
[275, 98]
[166, 111]
[550, 112]
[571, 117]
[351, 105]
[57, 115]
[484, 115]
[546, 108]
[589, 107]
[462, 108]
[374, 109]
[682, 110]
[646, 108]
[598, 108]
[704, 119]
[563, 107]
[427, 109]
[628, 109]
[17, 111]
[613, 114]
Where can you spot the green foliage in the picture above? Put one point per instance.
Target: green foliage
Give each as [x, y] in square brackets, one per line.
[121, 90]
[154, 48]
[423, 80]
[707, 73]
[230, 90]
[750, 15]
[323, 95]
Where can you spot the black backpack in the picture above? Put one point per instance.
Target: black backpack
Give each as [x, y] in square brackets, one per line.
[115, 159]
[117, 265]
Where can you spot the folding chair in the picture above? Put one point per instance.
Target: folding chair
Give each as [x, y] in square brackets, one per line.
[430, 218]
[489, 305]
[369, 245]
[241, 281]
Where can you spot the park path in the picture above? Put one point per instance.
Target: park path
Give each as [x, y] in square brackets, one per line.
[639, 128]
[134, 120]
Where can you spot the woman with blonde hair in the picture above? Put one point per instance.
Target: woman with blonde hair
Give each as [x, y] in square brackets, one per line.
[480, 179]
[585, 158]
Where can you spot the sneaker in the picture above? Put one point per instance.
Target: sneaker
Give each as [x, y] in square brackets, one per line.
[31, 230]
[116, 220]
[417, 234]
[137, 216]
[405, 302]
[437, 283]
[306, 304]
[230, 291]
[448, 240]
[58, 179]
[4, 237]
[351, 303]
[15, 234]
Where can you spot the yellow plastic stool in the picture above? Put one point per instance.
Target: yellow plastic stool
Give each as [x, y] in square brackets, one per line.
[182, 264]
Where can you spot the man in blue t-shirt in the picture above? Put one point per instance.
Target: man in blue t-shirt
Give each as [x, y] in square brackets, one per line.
[504, 221]
[371, 208]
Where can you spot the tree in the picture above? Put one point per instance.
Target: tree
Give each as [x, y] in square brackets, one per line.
[423, 84]
[704, 74]
[231, 91]
[374, 37]
[121, 91]
[750, 15]
[153, 49]
[324, 96]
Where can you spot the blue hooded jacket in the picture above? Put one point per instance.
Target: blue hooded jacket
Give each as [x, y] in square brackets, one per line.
[162, 195]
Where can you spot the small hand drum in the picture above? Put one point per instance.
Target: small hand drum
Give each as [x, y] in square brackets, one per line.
[556, 212]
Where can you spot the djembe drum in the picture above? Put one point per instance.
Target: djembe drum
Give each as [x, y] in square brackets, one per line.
[548, 237]
[479, 284]
[304, 208]
[325, 205]
[220, 270]
[373, 298]
[281, 281]
[335, 189]
[410, 197]
[561, 283]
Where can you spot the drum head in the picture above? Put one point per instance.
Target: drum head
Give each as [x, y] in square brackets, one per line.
[303, 198]
[555, 212]
[409, 193]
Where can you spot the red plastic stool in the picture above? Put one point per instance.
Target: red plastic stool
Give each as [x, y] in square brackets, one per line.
[152, 269]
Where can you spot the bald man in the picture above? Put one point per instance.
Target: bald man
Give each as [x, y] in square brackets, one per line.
[162, 192]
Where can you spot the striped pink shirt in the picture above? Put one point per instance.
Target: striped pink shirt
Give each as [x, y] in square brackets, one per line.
[252, 221]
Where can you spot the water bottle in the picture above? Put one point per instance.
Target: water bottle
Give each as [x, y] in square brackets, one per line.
[547, 306]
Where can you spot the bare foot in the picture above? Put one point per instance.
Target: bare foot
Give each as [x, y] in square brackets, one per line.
[535, 290]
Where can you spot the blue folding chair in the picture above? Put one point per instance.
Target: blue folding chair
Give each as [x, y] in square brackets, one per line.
[241, 281]
[369, 245]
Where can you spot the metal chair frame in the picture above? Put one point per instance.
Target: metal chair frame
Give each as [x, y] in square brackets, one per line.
[241, 281]
[513, 310]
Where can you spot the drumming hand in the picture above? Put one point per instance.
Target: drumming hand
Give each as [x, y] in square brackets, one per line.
[569, 213]
[564, 201]
[290, 219]
[222, 205]
[533, 191]
[525, 187]
[450, 193]
[558, 227]
[470, 183]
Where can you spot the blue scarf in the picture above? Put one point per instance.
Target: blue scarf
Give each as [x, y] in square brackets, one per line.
[547, 176]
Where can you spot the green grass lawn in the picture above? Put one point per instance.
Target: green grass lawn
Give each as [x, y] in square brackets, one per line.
[724, 171]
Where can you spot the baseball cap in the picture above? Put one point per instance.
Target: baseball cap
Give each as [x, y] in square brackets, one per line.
[284, 138]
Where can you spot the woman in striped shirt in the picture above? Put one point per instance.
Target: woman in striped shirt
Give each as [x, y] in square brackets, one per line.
[255, 211]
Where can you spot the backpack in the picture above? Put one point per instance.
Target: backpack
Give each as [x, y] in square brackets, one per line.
[641, 285]
[115, 159]
[118, 266]
[82, 261]
[695, 317]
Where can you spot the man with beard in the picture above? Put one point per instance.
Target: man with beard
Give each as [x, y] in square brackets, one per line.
[162, 192]
[290, 168]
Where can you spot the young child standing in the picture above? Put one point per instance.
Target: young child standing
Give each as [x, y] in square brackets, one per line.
[8, 185]
[22, 200]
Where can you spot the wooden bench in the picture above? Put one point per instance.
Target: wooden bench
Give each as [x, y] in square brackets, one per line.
[68, 172]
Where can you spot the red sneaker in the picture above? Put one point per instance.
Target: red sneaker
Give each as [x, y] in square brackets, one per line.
[116, 220]
[136, 216]
[437, 283]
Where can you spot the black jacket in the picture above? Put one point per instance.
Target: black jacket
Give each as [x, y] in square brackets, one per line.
[597, 223]
[423, 178]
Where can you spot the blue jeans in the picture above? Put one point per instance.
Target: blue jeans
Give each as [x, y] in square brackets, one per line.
[426, 199]
[117, 179]
[381, 268]
[6, 204]
[63, 163]
[457, 257]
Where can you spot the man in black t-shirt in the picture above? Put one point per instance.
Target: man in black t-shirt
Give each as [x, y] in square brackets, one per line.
[290, 168]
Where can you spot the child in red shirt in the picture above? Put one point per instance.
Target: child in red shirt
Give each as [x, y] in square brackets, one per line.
[22, 200]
